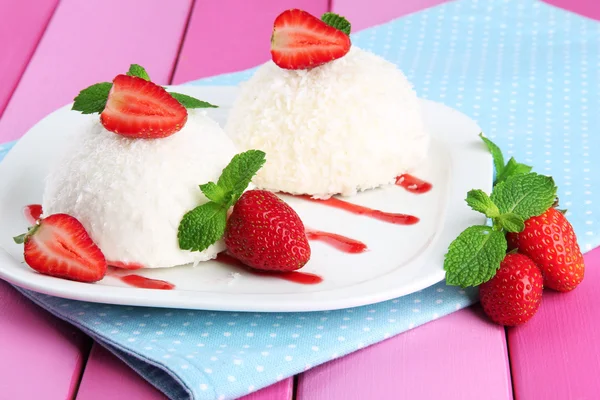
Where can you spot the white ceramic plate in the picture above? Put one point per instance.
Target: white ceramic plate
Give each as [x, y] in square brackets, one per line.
[400, 260]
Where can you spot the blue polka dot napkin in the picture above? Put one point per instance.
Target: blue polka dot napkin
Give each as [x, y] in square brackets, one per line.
[525, 70]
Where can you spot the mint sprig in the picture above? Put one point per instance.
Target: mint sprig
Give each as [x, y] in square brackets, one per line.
[337, 21]
[518, 194]
[205, 224]
[139, 71]
[92, 99]
[474, 256]
[191, 102]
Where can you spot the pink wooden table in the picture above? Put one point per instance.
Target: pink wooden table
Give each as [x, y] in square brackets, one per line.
[49, 49]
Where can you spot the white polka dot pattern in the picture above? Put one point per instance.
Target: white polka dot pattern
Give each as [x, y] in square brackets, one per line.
[525, 70]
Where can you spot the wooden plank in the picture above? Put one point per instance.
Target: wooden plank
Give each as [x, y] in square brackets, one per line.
[41, 357]
[92, 41]
[85, 42]
[231, 35]
[587, 8]
[107, 377]
[25, 20]
[461, 356]
[556, 355]
[364, 14]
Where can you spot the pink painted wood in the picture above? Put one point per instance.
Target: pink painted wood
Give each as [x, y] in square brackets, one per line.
[107, 377]
[78, 50]
[25, 20]
[461, 356]
[41, 357]
[213, 47]
[556, 355]
[587, 8]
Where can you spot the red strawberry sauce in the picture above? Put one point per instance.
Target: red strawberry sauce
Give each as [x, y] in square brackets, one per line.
[146, 283]
[125, 265]
[304, 278]
[342, 243]
[413, 184]
[398, 219]
[138, 280]
[32, 213]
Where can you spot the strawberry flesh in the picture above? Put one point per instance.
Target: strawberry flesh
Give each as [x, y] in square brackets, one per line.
[301, 41]
[138, 108]
[549, 240]
[513, 295]
[265, 233]
[60, 246]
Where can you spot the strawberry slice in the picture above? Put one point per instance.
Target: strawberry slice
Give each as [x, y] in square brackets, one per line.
[60, 246]
[138, 108]
[301, 40]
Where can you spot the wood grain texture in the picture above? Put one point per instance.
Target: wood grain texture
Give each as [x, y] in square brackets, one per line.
[93, 41]
[231, 35]
[364, 14]
[107, 377]
[556, 355]
[22, 24]
[461, 356]
[40, 356]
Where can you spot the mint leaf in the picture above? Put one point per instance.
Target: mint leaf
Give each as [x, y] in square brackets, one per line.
[337, 21]
[215, 193]
[512, 168]
[524, 195]
[92, 99]
[511, 222]
[202, 227]
[139, 71]
[478, 200]
[237, 175]
[474, 256]
[496, 154]
[191, 102]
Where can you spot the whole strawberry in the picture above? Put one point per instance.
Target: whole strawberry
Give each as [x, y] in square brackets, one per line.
[514, 294]
[550, 242]
[265, 233]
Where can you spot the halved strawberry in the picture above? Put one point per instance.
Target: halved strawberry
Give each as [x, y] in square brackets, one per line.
[60, 246]
[138, 108]
[301, 40]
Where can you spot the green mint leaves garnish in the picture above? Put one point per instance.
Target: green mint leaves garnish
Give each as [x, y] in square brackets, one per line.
[205, 224]
[525, 195]
[202, 226]
[191, 102]
[478, 200]
[139, 71]
[92, 100]
[511, 168]
[518, 194]
[337, 21]
[474, 256]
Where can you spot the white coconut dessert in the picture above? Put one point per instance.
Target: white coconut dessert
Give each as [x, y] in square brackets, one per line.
[349, 125]
[131, 194]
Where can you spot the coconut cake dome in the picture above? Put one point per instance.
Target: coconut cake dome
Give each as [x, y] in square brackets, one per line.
[347, 125]
[131, 194]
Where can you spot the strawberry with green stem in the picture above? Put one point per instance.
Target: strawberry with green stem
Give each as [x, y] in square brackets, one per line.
[262, 231]
[478, 255]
